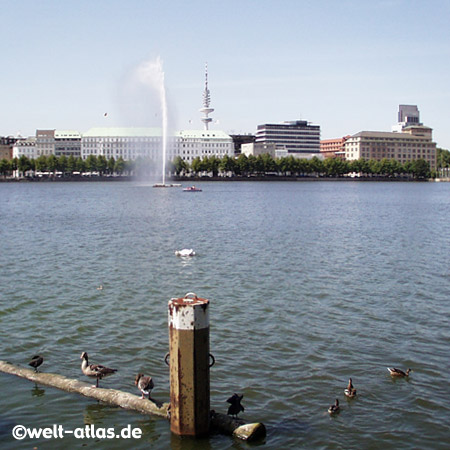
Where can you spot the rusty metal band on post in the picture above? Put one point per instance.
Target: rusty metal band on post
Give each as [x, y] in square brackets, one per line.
[189, 365]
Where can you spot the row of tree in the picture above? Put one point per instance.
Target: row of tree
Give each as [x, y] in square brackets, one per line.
[65, 165]
[241, 166]
[291, 166]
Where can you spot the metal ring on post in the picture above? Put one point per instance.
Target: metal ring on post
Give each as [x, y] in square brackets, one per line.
[213, 360]
[190, 297]
[165, 359]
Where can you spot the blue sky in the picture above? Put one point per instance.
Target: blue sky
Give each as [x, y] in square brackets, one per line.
[345, 65]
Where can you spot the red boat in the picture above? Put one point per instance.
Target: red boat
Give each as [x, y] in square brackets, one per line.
[192, 189]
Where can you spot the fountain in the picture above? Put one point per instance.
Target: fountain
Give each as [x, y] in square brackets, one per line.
[151, 73]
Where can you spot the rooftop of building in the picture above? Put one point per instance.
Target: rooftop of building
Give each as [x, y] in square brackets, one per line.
[59, 134]
[123, 132]
[154, 132]
[393, 134]
[202, 134]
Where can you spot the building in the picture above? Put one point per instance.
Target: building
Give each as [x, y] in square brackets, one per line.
[408, 115]
[133, 143]
[290, 137]
[333, 148]
[25, 147]
[239, 139]
[6, 147]
[191, 144]
[68, 143]
[45, 142]
[414, 142]
[126, 143]
[258, 149]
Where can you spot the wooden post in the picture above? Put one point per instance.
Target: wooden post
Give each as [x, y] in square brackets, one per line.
[189, 365]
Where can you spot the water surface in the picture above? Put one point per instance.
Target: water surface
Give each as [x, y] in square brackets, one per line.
[310, 284]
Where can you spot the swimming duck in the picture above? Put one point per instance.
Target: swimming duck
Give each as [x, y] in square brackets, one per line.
[94, 370]
[35, 362]
[398, 373]
[350, 391]
[235, 408]
[145, 384]
[334, 409]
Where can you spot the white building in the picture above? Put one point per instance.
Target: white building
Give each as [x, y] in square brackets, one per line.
[25, 147]
[254, 149]
[126, 143]
[132, 143]
[190, 144]
[298, 136]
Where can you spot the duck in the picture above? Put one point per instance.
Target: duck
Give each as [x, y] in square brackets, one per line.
[350, 391]
[235, 407]
[398, 373]
[94, 370]
[334, 409]
[35, 362]
[144, 384]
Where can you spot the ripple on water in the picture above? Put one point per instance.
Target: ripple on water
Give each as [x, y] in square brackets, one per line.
[302, 298]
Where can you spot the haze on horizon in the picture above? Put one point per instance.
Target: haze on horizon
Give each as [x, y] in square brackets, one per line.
[344, 65]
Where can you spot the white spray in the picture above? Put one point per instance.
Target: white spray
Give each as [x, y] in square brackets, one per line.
[150, 73]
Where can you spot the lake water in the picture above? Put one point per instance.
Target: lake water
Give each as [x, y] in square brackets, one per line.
[310, 283]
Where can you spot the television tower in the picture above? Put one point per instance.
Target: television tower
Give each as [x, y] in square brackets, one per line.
[206, 102]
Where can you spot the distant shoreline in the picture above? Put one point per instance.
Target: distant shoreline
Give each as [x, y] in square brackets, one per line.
[191, 180]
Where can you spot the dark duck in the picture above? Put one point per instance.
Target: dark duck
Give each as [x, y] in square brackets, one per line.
[235, 405]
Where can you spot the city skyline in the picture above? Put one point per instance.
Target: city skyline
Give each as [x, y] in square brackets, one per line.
[345, 66]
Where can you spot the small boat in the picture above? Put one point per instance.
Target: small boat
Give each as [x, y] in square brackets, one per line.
[192, 189]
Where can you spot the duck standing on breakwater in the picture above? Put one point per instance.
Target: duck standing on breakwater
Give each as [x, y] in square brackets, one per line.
[94, 370]
[144, 384]
[35, 362]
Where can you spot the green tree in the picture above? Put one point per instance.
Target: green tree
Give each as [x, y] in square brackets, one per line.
[374, 166]
[5, 167]
[102, 164]
[335, 167]
[91, 163]
[180, 165]
[23, 165]
[111, 165]
[80, 165]
[71, 164]
[119, 166]
[252, 165]
[268, 163]
[420, 169]
[52, 163]
[317, 165]
[62, 163]
[227, 164]
[213, 165]
[442, 158]
[242, 165]
[196, 165]
[41, 164]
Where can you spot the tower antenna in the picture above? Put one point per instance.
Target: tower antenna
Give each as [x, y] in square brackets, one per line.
[206, 102]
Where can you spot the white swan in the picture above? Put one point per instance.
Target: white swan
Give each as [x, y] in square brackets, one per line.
[185, 252]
